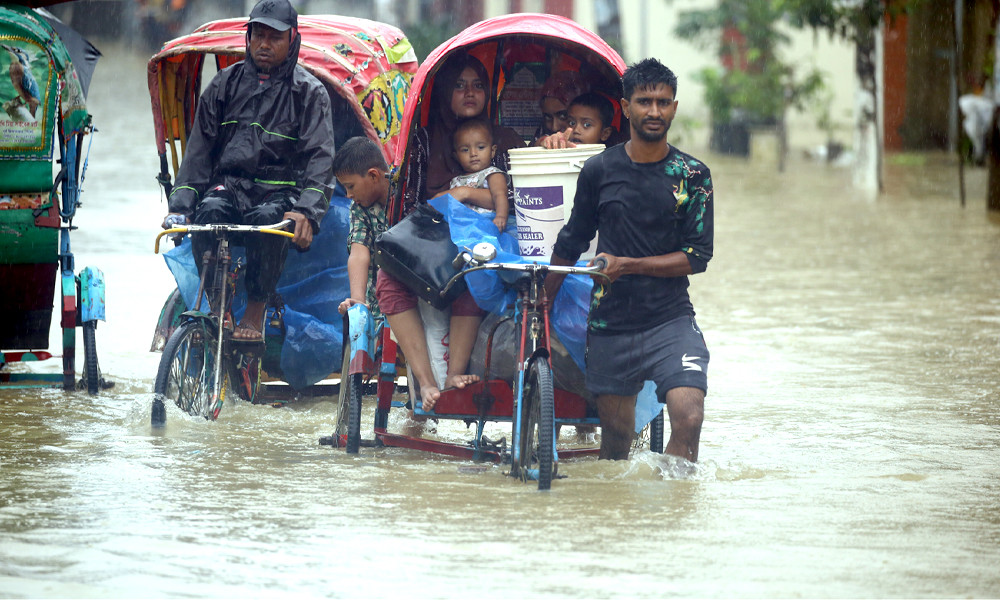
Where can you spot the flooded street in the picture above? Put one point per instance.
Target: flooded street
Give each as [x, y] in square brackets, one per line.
[851, 445]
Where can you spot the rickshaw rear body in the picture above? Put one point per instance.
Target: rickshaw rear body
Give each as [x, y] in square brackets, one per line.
[509, 47]
[44, 120]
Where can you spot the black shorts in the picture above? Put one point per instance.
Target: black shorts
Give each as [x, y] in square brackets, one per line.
[671, 355]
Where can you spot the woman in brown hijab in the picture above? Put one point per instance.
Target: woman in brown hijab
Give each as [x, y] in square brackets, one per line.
[460, 92]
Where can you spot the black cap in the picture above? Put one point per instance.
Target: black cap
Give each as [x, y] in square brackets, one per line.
[277, 14]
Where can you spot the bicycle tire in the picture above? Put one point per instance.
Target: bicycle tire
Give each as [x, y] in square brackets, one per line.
[536, 451]
[343, 394]
[656, 433]
[185, 373]
[91, 368]
[354, 413]
[348, 423]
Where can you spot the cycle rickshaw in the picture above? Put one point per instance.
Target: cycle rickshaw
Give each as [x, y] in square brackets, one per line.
[366, 67]
[44, 124]
[519, 52]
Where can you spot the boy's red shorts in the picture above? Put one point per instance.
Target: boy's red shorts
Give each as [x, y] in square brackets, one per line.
[394, 297]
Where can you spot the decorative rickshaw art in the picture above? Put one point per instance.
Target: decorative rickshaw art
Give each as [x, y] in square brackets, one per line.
[43, 125]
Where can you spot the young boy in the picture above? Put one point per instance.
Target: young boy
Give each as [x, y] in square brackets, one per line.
[362, 170]
[482, 187]
[590, 118]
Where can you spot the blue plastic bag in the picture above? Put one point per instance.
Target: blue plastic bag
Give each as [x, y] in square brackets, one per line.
[312, 285]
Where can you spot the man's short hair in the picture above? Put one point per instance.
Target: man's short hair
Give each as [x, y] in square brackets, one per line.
[470, 125]
[646, 75]
[599, 103]
[357, 155]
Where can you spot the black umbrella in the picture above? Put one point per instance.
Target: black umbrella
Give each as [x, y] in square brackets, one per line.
[37, 3]
[83, 54]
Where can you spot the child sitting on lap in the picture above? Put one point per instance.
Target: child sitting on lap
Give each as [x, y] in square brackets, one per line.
[483, 187]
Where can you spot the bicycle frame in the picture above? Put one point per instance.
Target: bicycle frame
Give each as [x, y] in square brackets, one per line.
[223, 278]
[532, 312]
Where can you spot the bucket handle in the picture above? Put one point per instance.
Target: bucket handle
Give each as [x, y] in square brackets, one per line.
[577, 164]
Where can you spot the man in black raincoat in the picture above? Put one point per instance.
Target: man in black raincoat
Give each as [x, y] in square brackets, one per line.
[260, 151]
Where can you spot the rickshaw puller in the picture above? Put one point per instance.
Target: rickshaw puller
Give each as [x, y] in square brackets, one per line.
[651, 205]
[260, 151]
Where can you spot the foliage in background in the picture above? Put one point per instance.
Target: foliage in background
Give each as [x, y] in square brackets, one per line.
[759, 85]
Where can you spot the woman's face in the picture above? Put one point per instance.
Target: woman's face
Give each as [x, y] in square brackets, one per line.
[554, 114]
[468, 99]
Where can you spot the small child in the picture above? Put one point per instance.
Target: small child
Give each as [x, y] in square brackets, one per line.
[483, 187]
[362, 170]
[590, 117]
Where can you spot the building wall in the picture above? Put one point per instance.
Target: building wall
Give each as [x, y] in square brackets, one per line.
[647, 30]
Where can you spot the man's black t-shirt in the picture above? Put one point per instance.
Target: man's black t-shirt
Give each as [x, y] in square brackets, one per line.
[641, 209]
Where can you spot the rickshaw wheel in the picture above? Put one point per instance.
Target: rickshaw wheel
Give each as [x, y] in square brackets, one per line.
[656, 433]
[186, 372]
[354, 414]
[537, 426]
[91, 370]
[349, 406]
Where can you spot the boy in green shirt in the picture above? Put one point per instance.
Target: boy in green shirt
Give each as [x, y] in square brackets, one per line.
[362, 170]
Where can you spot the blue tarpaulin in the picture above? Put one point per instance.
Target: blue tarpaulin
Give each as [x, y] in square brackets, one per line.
[312, 285]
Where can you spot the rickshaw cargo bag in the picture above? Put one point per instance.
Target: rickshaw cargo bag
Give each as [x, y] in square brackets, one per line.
[418, 251]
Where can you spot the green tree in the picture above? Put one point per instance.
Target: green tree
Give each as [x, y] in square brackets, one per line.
[760, 85]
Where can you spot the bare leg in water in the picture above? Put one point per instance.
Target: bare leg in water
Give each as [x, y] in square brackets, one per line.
[685, 407]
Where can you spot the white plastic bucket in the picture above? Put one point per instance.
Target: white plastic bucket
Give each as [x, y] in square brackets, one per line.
[544, 187]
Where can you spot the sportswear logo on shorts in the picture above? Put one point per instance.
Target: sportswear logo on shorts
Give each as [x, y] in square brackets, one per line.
[688, 365]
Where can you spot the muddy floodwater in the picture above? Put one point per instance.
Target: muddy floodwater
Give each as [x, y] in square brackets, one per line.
[851, 445]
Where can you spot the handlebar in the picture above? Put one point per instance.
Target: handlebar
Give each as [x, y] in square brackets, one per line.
[275, 229]
[593, 270]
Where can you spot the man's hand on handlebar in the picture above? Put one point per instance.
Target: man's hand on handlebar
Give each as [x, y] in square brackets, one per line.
[303, 229]
[610, 265]
[174, 220]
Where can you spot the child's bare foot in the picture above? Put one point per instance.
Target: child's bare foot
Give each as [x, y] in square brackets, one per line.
[429, 397]
[460, 381]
